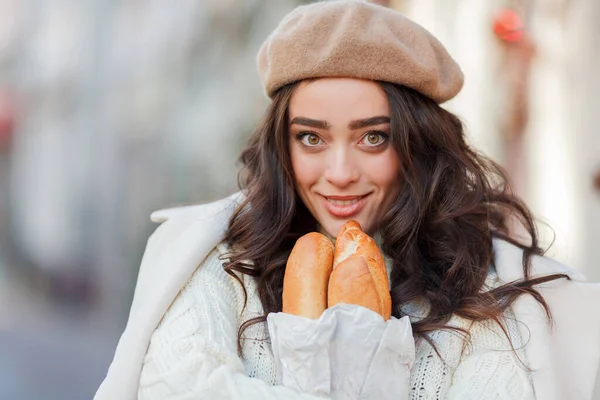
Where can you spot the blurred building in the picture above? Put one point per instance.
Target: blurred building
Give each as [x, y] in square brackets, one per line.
[122, 108]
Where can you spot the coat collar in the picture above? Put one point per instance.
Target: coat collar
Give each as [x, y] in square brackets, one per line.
[174, 251]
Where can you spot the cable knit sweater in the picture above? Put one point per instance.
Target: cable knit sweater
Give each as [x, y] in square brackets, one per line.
[193, 351]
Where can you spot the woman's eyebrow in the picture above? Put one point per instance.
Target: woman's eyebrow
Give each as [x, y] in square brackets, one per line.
[313, 123]
[357, 124]
[363, 123]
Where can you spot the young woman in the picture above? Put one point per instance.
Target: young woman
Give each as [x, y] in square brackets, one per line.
[355, 131]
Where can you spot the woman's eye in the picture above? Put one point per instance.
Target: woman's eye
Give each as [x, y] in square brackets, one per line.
[310, 139]
[374, 138]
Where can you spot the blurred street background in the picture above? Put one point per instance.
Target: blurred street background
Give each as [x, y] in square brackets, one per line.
[112, 109]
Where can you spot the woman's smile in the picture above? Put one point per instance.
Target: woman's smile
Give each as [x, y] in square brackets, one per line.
[344, 206]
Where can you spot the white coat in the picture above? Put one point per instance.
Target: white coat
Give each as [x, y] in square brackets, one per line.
[564, 358]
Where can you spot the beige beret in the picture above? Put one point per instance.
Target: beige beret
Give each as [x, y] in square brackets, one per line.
[357, 39]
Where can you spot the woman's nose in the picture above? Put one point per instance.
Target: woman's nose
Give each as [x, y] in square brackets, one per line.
[341, 169]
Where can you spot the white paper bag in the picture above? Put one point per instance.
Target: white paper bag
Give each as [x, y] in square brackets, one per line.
[349, 353]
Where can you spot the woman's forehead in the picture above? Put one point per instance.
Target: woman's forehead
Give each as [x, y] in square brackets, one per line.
[338, 100]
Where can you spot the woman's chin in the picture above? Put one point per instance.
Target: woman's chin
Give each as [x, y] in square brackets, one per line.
[330, 229]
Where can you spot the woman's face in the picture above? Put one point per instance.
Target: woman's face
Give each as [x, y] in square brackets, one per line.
[344, 165]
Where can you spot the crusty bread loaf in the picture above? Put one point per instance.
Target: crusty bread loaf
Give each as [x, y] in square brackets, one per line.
[352, 240]
[351, 283]
[307, 276]
[358, 272]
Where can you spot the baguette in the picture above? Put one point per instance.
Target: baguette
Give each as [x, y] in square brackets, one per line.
[351, 283]
[307, 276]
[359, 274]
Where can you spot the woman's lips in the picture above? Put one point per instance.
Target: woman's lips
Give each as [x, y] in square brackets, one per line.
[344, 206]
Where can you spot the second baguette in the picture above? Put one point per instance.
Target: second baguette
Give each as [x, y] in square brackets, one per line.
[353, 243]
[351, 283]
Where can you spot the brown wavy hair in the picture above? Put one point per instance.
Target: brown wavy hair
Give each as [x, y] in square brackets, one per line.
[438, 232]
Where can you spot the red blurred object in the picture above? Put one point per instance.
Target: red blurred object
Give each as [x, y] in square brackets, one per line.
[7, 119]
[508, 25]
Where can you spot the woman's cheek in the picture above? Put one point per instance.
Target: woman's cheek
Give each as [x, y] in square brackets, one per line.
[383, 170]
[306, 170]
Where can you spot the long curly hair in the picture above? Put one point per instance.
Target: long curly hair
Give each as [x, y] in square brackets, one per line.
[438, 232]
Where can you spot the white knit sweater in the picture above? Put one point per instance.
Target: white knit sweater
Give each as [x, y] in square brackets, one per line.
[193, 351]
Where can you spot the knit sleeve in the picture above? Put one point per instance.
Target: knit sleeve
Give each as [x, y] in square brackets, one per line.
[193, 351]
[489, 368]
